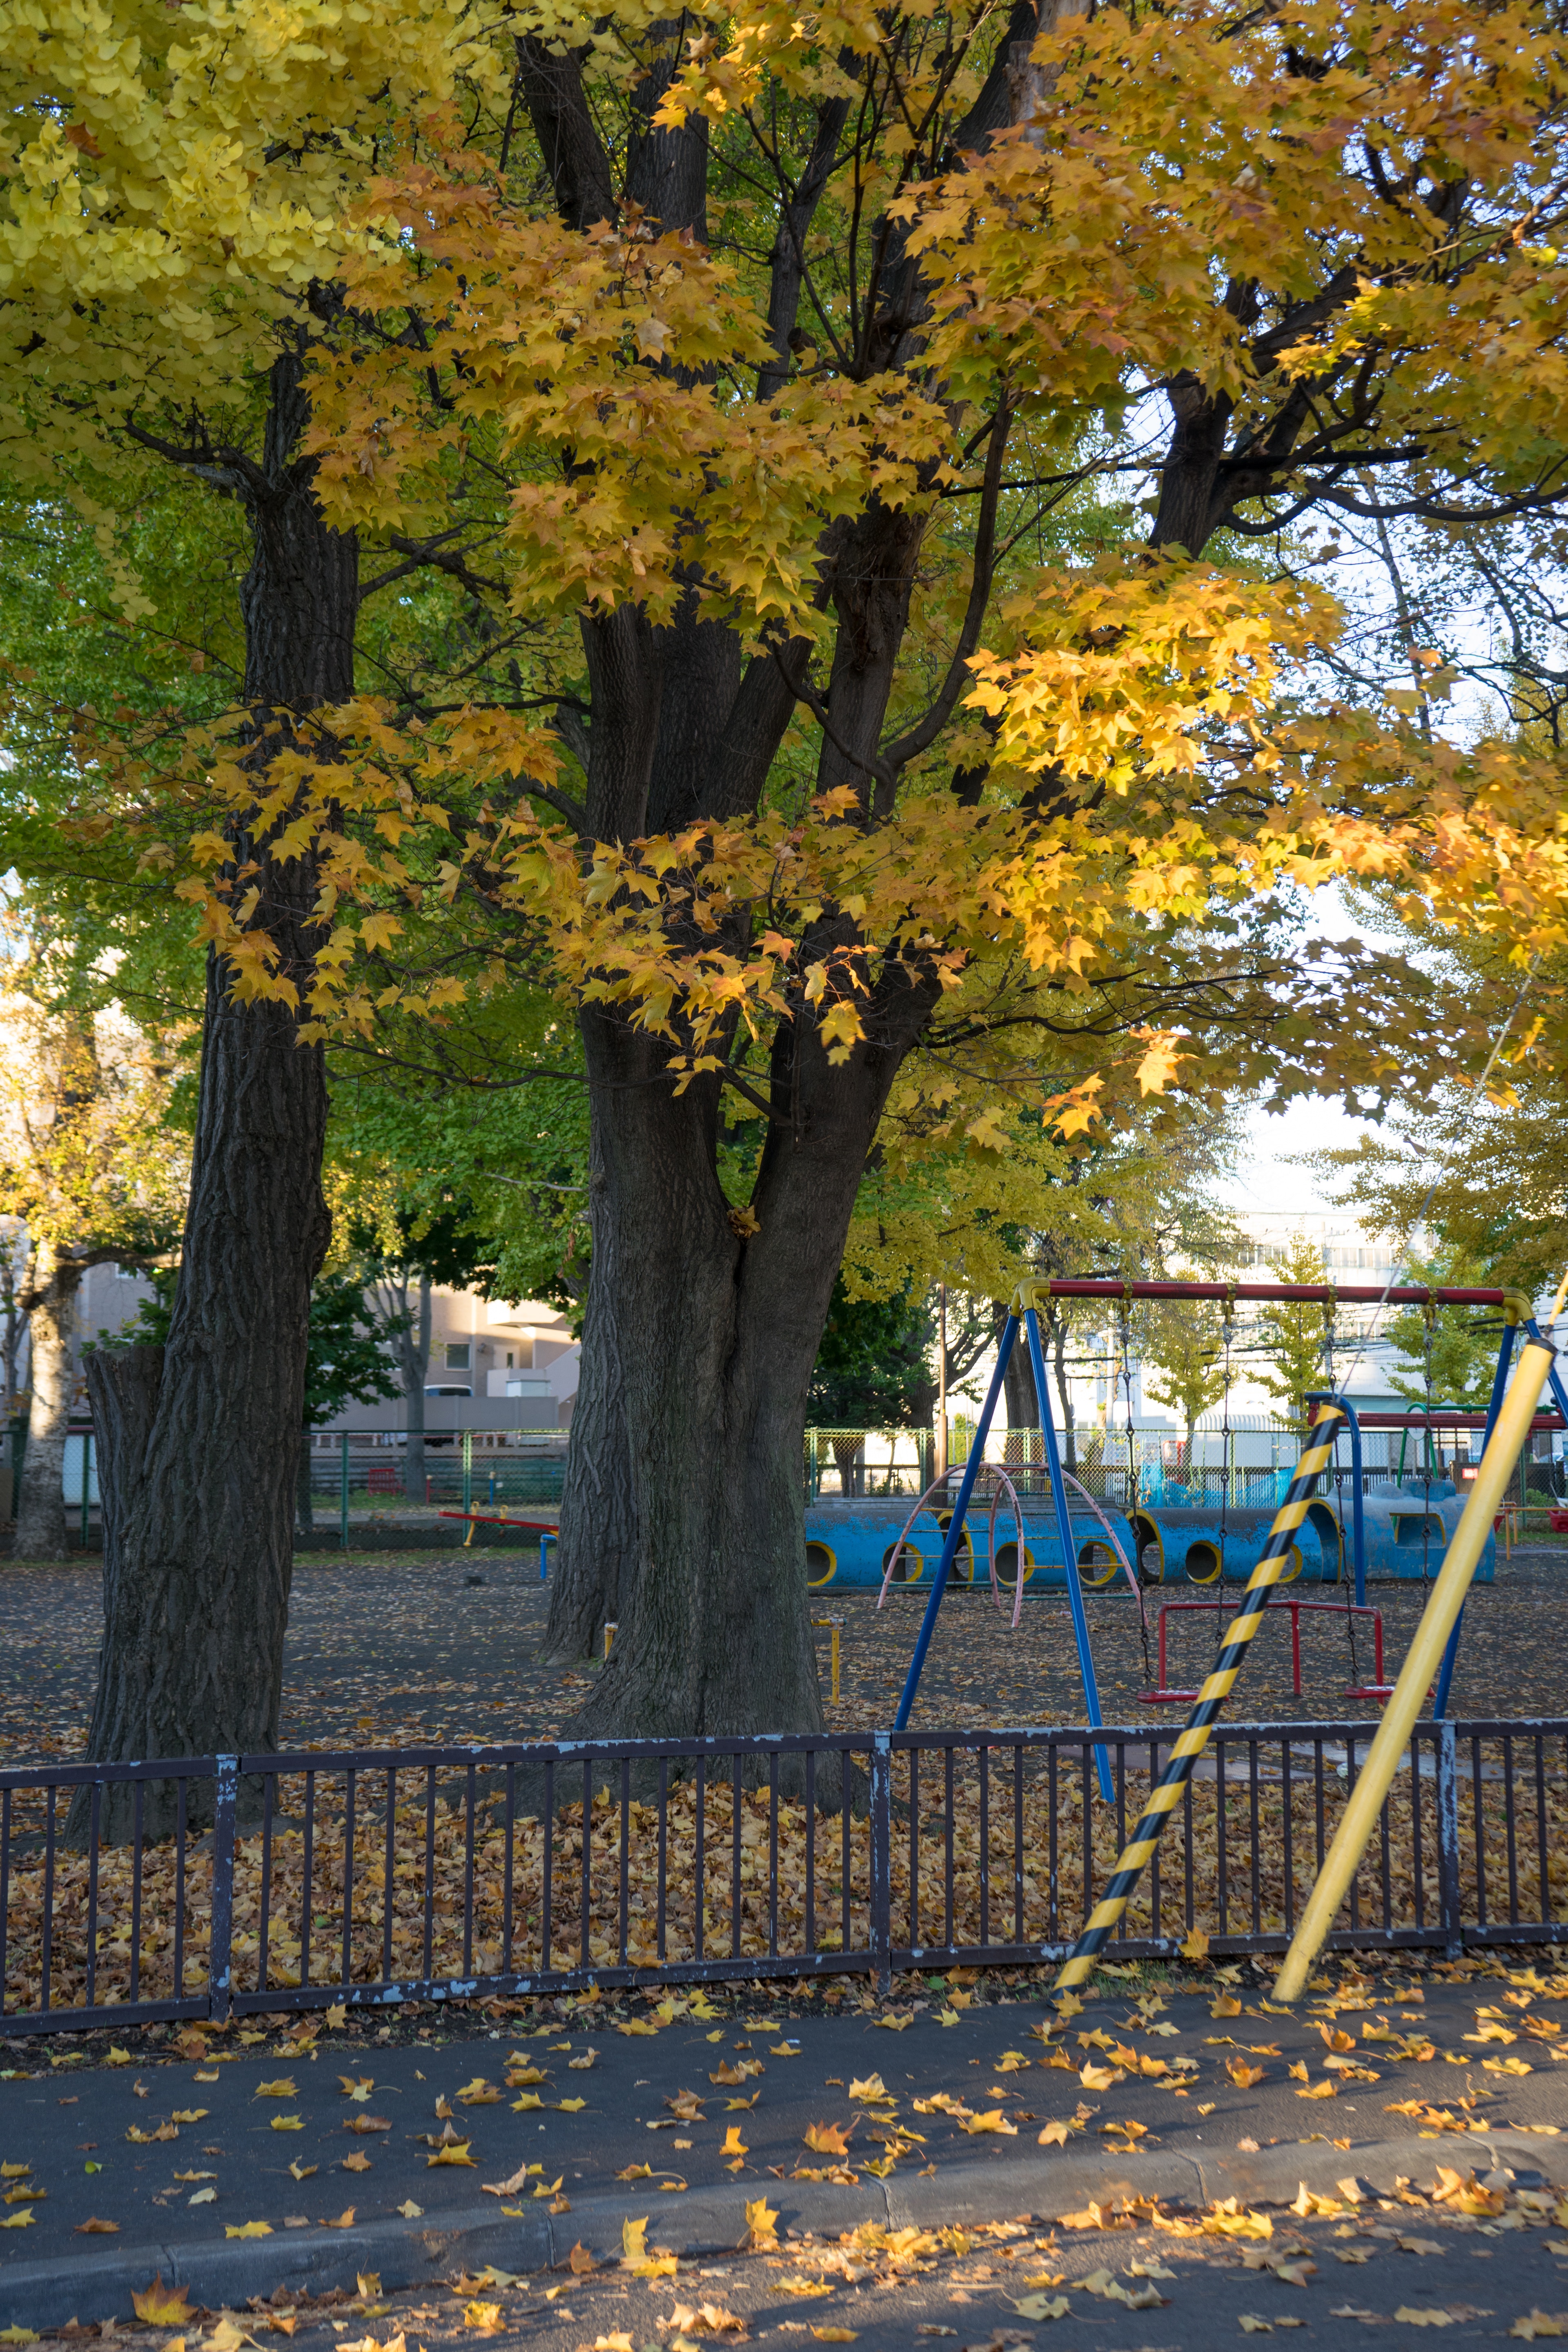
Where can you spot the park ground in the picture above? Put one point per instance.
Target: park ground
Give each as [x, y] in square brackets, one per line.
[1179, 2160]
[1164, 2208]
[389, 1647]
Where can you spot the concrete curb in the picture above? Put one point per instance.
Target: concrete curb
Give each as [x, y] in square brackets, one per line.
[96, 2287]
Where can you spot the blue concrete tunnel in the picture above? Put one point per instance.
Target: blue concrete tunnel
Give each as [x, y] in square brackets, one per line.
[1407, 1530]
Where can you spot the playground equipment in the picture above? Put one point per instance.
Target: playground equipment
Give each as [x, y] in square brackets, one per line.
[1162, 1694]
[1509, 1420]
[1024, 1314]
[1166, 1793]
[1400, 1529]
[543, 1528]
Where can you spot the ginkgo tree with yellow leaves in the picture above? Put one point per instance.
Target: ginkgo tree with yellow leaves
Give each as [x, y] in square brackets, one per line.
[177, 191]
[746, 357]
[829, 772]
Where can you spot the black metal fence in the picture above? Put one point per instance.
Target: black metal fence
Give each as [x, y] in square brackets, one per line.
[428, 1873]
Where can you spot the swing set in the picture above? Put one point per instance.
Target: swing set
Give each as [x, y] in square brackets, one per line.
[1329, 1405]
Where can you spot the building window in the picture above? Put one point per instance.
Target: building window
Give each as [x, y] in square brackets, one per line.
[458, 1356]
[509, 1359]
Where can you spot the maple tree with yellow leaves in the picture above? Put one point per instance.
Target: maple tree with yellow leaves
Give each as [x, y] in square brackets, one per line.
[749, 362]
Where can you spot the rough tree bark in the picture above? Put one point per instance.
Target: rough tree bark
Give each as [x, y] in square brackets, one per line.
[50, 1302]
[196, 1582]
[597, 1554]
[707, 1336]
[718, 1336]
[1018, 1382]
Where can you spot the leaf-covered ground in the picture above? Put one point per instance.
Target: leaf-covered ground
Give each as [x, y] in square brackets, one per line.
[393, 1646]
[384, 1655]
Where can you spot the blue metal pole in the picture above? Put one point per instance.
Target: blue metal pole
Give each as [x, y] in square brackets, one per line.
[1069, 1555]
[955, 1528]
[1494, 1406]
[542, 1541]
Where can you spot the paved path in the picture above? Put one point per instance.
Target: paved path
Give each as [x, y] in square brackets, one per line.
[320, 2150]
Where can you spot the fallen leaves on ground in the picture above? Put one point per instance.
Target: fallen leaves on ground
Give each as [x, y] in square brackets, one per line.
[761, 2227]
[704, 2319]
[426, 1895]
[161, 2306]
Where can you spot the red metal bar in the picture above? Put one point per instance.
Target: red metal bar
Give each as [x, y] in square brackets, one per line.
[1406, 1296]
[1440, 1419]
[488, 1520]
[1162, 1694]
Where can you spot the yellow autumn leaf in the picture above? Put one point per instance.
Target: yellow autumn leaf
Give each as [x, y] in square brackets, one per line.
[161, 2306]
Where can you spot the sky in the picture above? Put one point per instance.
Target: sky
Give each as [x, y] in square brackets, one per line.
[1266, 1178]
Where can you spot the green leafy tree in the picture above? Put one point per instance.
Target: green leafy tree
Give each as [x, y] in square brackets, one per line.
[1184, 1354]
[1293, 1334]
[873, 1369]
[1463, 1340]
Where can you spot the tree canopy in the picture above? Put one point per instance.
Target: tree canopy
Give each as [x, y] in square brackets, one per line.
[857, 448]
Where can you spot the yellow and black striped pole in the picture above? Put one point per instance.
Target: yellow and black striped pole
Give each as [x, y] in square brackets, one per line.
[1194, 1738]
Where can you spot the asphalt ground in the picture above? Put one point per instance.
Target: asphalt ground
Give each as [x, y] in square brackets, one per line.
[396, 1647]
[269, 2175]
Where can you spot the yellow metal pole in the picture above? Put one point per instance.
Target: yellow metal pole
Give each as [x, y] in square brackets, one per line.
[1421, 1664]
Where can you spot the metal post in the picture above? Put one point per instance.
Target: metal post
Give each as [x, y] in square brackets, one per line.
[542, 1541]
[467, 1471]
[881, 1851]
[220, 1948]
[1447, 1789]
[955, 1526]
[343, 1497]
[1070, 1555]
[86, 1483]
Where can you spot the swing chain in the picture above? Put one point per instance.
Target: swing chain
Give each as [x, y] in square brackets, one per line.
[1124, 1334]
[1227, 1336]
[1331, 1308]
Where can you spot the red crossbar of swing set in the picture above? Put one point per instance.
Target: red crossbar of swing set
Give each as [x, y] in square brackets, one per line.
[1410, 1295]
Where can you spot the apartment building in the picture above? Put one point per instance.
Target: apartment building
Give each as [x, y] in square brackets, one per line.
[495, 1364]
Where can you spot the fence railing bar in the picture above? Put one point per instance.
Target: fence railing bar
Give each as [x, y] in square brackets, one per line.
[66, 1971]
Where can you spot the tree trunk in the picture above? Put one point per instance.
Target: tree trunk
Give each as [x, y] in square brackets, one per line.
[1019, 1387]
[304, 1508]
[597, 1557]
[718, 1336]
[40, 1509]
[196, 1600]
[122, 1385]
